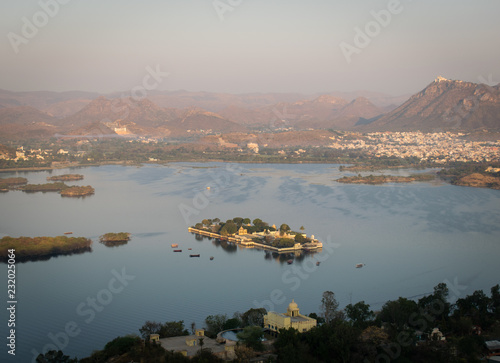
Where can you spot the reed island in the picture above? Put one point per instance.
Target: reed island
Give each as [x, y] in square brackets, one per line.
[43, 248]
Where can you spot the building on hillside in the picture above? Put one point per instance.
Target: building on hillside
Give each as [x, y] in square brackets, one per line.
[190, 345]
[242, 231]
[291, 319]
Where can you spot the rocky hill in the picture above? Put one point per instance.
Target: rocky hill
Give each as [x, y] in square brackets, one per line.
[25, 122]
[445, 105]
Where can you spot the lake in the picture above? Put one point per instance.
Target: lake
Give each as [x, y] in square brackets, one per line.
[410, 236]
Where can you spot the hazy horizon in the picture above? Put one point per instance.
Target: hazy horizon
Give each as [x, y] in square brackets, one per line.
[236, 46]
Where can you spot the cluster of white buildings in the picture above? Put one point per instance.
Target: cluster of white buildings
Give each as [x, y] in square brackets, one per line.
[440, 147]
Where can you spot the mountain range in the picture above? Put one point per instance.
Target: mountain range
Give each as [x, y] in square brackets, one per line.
[444, 105]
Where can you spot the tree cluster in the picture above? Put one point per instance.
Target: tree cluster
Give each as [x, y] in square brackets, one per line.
[403, 331]
[164, 330]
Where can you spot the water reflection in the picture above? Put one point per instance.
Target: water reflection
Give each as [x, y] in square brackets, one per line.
[113, 243]
[229, 247]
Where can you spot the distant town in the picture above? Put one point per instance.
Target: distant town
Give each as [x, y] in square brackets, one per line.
[439, 148]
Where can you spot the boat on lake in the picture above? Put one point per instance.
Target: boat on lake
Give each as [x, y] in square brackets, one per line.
[359, 265]
[177, 250]
[194, 255]
[317, 263]
[68, 232]
[211, 258]
[174, 245]
[289, 262]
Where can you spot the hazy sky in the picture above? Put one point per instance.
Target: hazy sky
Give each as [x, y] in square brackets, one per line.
[241, 46]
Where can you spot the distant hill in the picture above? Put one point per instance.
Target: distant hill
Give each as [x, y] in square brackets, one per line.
[343, 115]
[129, 117]
[124, 111]
[445, 105]
[25, 122]
[198, 119]
[92, 129]
[24, 115]
[66, 108]
[215, 102]
[42, 99]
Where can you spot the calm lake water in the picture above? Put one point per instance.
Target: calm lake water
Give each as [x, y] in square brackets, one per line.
[410, 236]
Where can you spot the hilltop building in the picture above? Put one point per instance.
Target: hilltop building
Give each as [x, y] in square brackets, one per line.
[291, 319]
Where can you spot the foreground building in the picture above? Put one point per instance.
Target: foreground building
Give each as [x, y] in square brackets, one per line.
[291, 319]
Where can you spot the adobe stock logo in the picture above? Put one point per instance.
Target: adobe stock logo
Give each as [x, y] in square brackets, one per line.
[30, 27]
[222, 7]
[363, 37]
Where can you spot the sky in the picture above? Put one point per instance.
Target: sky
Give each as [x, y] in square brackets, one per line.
[244, 46]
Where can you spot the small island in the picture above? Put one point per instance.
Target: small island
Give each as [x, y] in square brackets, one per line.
[47, 187]
[65, 177]
[43, 248]
[382, 179]
[77, 191]
[63, 189]
[9, 183]
[256, 234]
[114, 239]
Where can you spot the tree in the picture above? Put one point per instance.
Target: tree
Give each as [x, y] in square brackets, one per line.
[283, 242]
[329, 306]
[320, 320]
[332, 340]
[299, 238]
[301, 228]
[359, 314]
[243, 353]
[215, 323]
[284, 228]
[251, 336]
[238, 220]
[150, 327]
[246, 221]
[476, 306]
[205, 356]
[495, 301]
[173, 329]
[166, 330]
[257, 222]
[290, 347]
[398, 312]
[436, 305]
[53, 356]
[232, 323]
[253, 317]
[228, 228]
[121, 345]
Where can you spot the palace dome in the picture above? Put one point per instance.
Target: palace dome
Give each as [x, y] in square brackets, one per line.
[293, 306]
